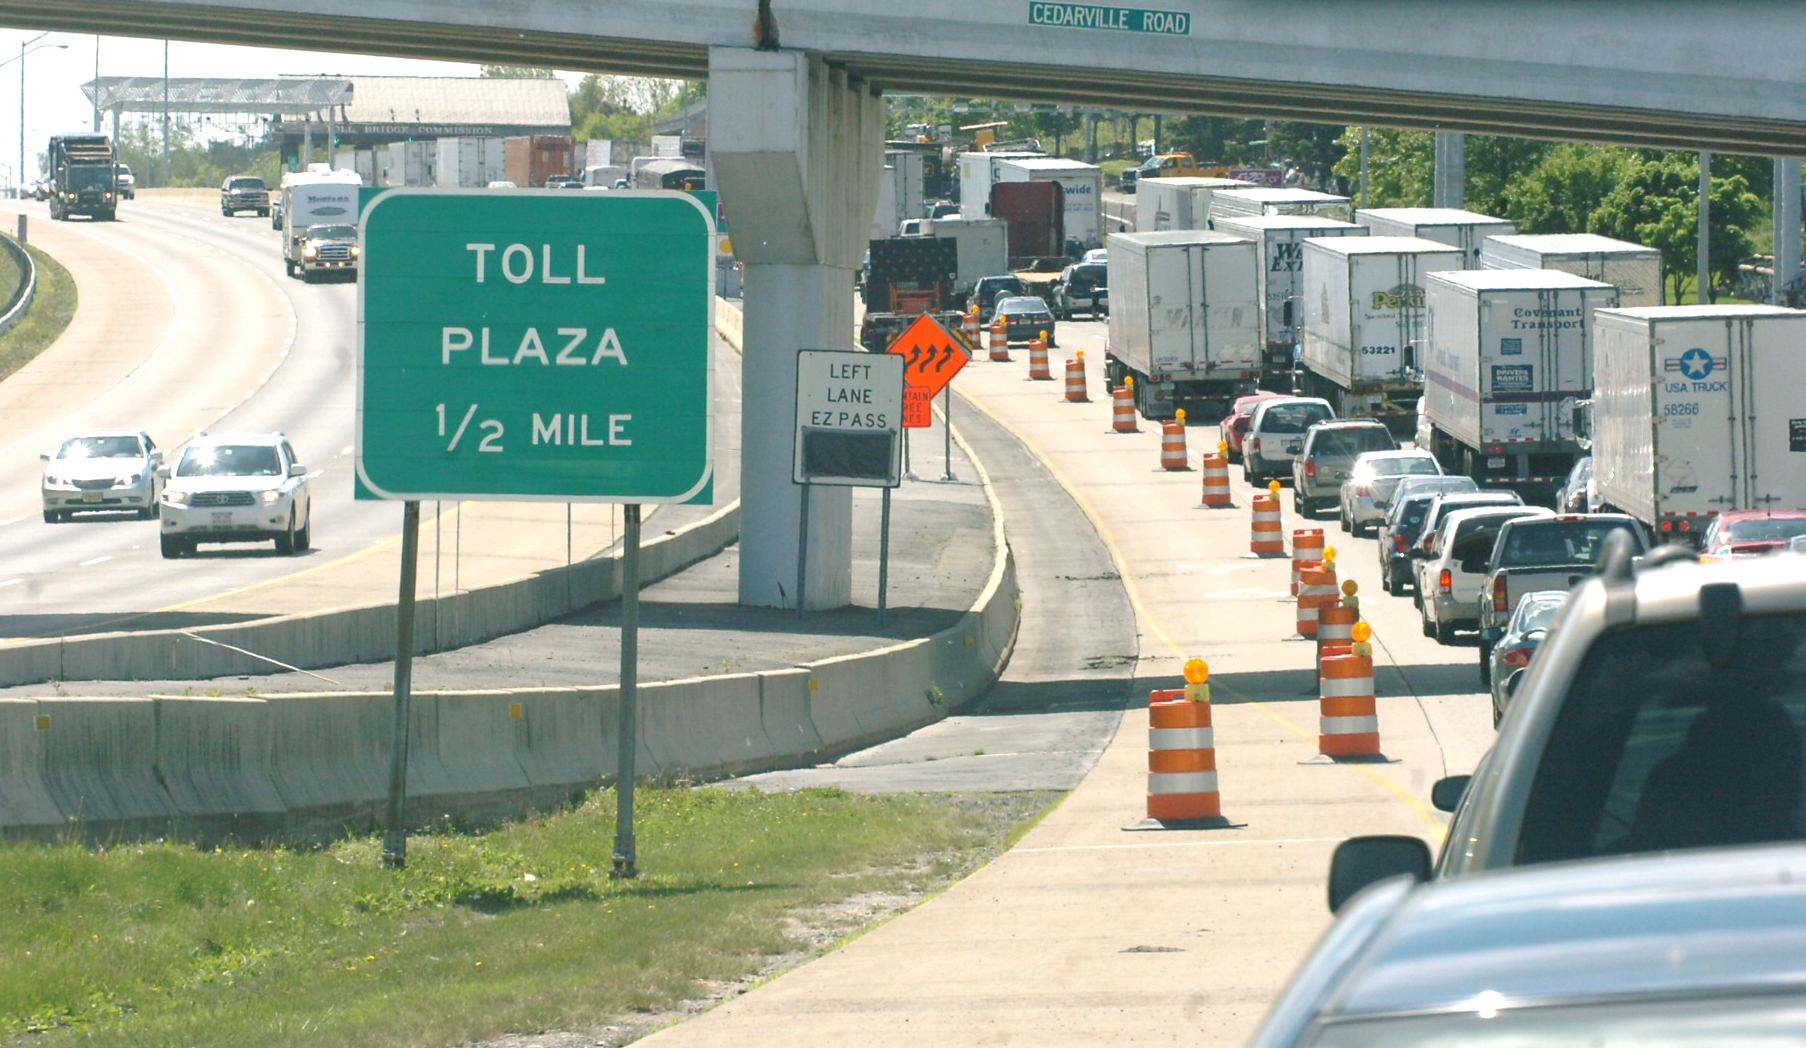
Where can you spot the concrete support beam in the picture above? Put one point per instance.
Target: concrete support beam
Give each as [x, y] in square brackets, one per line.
[798, 151]
[1449, 184]
[1787, 231]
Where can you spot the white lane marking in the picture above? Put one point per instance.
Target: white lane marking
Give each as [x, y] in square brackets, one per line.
[15, 520]
[96, 560]
[175, 321]
[349, 448]
[1175, 844]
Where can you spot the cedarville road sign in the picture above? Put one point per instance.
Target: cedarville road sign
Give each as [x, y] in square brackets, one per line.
[535, 345]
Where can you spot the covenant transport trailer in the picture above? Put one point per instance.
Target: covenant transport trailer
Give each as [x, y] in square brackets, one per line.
[1635, 270]
[1279, 256]
[1510, 358]
[1365, 323]
[1697, 410]
[1445, 225]
[1184, 321]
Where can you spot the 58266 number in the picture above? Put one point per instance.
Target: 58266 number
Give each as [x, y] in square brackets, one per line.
[1684, 408]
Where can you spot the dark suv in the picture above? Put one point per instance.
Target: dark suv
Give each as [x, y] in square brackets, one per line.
[244, 193]
[990, 290]
[1082, 287]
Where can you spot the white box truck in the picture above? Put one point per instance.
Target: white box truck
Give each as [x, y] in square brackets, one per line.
[984, 250]
[1084, 192]
[1466, 230]
[1365, 322]
[495, 161]
[1697, 411]
[977, 174]
[318, 196]
[1279, 258]
[899, 193]
[1231, 203]
[1510, 360]
[1184, 321]
[1177, 203]
[1635, 270]
[458, 162]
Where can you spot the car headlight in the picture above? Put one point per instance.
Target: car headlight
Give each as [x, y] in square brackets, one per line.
[309, 251]
[130, 479]
[356, 251]
[174, 498]
[56, 480]
[271, 496]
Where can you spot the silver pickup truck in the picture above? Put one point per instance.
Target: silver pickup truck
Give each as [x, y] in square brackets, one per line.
[1544, 553]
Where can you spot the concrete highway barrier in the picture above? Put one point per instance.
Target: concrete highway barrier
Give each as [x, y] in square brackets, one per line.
[309, 766]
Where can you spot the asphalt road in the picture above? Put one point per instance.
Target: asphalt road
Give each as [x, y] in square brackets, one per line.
[187, 322]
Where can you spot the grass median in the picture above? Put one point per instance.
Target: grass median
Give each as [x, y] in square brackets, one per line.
[515, 929]
[51, 308]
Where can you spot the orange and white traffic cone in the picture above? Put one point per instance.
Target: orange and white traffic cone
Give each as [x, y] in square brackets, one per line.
[1000, 342]
[1266, 540]
[1182, 756]
[1216, 479]
[1307, 547]
[1316, 590]
[1349, 723]
[1122, 408]
[969, 327]
[1172, 443]
[1037, 359]
[1075, 380]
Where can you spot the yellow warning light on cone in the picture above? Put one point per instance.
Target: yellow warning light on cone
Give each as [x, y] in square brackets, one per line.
[1329, 553]
[1197, 672]
[1273, 486]
[1222, 447]
[1180, 414]
[1350, 588]
[1361, 632]
[1080, 354]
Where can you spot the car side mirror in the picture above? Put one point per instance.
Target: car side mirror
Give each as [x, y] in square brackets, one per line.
[296, 469]
[45, 456]
[1446, 794]
[1361, 861]
[163, 472]
[1294, 447]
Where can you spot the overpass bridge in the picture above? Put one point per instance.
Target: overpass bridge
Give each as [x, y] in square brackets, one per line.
[797, 120]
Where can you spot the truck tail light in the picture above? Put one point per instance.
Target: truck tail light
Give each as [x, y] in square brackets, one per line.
[1400, 542]
[1445, 581]
[1364, 490]
[1517, 658]
[1310, 468]
[1499, 595]
[1254, 444]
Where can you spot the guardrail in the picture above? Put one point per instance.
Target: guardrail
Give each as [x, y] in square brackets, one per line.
[28, 282]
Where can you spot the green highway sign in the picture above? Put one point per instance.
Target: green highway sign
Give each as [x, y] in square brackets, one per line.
[1122, 19]
[535, 344]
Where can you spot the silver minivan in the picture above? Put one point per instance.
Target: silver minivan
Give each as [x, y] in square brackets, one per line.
[1277, 425]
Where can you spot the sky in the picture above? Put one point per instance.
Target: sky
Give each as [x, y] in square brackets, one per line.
[53, 77]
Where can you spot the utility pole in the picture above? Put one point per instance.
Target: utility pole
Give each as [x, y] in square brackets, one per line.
[166, 173]
[1704, 275]
[97, 83]
[1365, 201]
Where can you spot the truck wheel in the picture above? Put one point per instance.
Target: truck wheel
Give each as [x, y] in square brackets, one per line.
[285, 542]
[173, 547]
[1445, 634]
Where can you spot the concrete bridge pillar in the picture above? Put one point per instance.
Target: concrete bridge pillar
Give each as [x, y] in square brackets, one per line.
[1787, 230]
[1449, 183]
[797, 150]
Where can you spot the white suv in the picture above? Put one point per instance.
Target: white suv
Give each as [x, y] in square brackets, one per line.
[237, 487]
[1453, 581]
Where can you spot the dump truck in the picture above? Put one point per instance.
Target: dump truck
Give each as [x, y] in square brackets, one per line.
[83, 180]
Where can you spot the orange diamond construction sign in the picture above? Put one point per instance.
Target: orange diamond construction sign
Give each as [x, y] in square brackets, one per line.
[931, 357]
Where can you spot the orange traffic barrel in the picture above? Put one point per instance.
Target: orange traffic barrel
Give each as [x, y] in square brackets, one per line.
[1037, 358]
[1122, 409]
[1172, 444]
[1182, 758]
[1316, 590]
[1335, 623]
[969, 326]
[1000, 342]
[1266, 539]
[1307, 546]
[1216, 480]
[1075, 380]
[1350, 723]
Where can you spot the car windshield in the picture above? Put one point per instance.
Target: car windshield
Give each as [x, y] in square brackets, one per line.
[332, 232]
[1022, 305]
[230, 460]
[1536, 611]
[1661, 745]
[87, 176]
[994, 288]
[1293, 418]
[1767, 529]
[1557, 542]
[1474, 538]
[1351, 441]
[245, 183]
[101, 448]
[1684, 1021]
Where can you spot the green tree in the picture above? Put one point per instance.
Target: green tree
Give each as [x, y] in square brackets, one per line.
[1657, 203]
[514, 72]
[1400, 165]
[1214, 139]
[1560, 193]
[1314, 148]
[1494, 164]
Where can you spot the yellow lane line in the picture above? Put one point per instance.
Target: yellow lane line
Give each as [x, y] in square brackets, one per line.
[1141, 609]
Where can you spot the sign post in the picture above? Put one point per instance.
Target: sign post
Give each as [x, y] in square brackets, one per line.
[534, 346]
[849, 429]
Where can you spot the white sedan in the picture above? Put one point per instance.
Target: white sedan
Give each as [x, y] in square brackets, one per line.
[237, 487]
[1367, 493]
[109, 470]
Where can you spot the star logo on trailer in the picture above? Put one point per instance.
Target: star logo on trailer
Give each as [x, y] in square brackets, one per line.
[1695, 364]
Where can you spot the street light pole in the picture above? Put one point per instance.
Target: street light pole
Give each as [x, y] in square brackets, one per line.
[24, 49]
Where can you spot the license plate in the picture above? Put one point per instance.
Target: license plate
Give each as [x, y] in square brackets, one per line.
[90, 496]
[223, 518]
